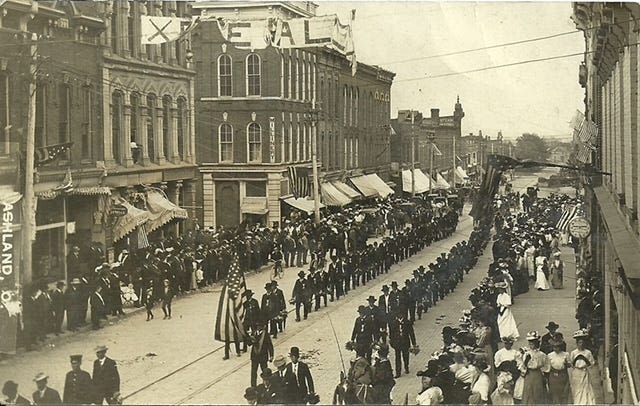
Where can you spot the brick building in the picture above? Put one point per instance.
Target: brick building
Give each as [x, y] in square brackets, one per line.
[476, 147]
[256, 110]
[609, 75]
[128, 110]
[441, 130]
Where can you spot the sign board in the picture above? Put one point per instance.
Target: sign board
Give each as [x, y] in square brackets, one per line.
[580, 227]
[10, 307]
[272, 139]
[118, 210]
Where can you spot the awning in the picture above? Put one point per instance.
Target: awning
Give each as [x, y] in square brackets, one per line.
[347, 190]
[254, 205]
[462, 172]
[331, 196]
[623, 240]
[441, 183]
[422, 181]
[371, 185]
[127, 223]
[75, 191]
[460, 175]
[161, 211]
[8, 195]
[302, 204]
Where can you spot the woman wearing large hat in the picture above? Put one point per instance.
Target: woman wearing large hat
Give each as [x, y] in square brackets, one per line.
[506, 323]
[558, 373]
[581, 360]
[533, 364]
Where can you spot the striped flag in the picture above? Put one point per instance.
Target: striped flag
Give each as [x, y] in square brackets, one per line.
[143, 240]
[588, 133]
[44, 155]
[230, 315]
[569, 214]
[584, 153]
[299, 181]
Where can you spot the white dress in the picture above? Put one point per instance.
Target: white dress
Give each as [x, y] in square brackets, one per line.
[506, 323]
[541, 279]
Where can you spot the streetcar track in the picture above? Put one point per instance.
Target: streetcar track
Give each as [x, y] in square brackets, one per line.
[385, 277]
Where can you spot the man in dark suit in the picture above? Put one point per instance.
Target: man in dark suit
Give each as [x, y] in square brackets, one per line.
[299, 295]
[281, 305]
[300, 375]
[78, 387]
[269, 309]
[73, 298]
[98, 307]
[261, 351]
[106, 379]
[401, 337]
[10, 390]
[57, 306]
[545, 342]
[167, 298]
[251, 312]
[362, 333]
[384, 307]
[45, 395]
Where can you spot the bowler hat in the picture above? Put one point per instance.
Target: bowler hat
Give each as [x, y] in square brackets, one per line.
[76, 358]
[294, 351]
[385, 288]
[267, 373]
[267, 285]
[361, 309]
[371, 298]
[301, 274]
[552, 326]
[247, 293]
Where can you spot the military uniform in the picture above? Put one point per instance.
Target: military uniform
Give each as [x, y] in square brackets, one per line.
[78, 388]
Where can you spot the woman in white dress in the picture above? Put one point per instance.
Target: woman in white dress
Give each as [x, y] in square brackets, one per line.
[542, 283]
[506, 323]
[581, 360]
[529, 256]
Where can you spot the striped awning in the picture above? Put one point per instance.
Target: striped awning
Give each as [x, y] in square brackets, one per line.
[161, 211]
[371, 186]
[331, 196]
[125, 224]
[346, 189]
[302, 204]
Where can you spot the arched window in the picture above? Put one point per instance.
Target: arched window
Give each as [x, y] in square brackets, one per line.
[254, 141]
[225, 143]
[253, 75]
[289, 78]
[116, 124]
[298, 144]
[166, 125]
[225, 76]
[182, 121]
[345, 101]
[151, 125]
[351, 100]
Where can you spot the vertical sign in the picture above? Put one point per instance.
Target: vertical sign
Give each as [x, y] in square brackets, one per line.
[272, 139]
[9, 295]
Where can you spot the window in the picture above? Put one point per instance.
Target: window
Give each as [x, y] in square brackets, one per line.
[254, 140]
[135, 114]
[313, 82]
[357, 100]
[166, 124]
[289, 74]
[290, 143]
[87, 119]
[351, 99]
[225, 140]
[64, 110]
[182, 119]
[298, 142]
[4, 114]
[116, 124]
[309, 82]
[133, 38]
[151, 123]
[344, 105]
[304, 80]
[297, 81]
[114, 28]
[225, 78]
[253, 75]
[256, 189]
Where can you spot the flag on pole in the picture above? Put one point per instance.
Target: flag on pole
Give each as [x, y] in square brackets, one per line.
[229, 326]
[299, 181]
[44, 155]
[584, 153]
[588, 133]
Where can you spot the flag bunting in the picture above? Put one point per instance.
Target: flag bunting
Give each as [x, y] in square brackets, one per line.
[229, 326]
[45, 155]
[299, 181]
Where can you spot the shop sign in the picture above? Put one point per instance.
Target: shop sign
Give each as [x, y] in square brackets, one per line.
[579, 227]
[118, 210]
[9, 295]
[272, 139]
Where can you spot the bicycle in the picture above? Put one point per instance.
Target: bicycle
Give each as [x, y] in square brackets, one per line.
[278, 271]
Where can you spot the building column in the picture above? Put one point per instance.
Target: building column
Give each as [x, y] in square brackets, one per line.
[173, 134]
[106, 122]
[191, 129]
[175, 199]
[142, 128]
[190, 202]
[273, 197]
[159, 133]
[125, 136]
[208, 200]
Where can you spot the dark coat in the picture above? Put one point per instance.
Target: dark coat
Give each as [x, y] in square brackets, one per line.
[106, 379]
[363, 331]
[78, 388]
[401, 334]
[50, 397]
[302, 384]
[262, 346]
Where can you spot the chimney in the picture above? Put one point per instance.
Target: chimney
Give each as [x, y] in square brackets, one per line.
[480, 133]
[435, 113]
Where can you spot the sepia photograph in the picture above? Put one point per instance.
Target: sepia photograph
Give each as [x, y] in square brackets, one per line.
[223, 202]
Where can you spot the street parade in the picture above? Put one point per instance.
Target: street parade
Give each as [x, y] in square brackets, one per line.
[304, 203]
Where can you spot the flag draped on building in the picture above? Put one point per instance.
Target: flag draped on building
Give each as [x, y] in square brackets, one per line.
[585, 136]
[568, 214]
[230, 315]
[44, 155]
[299, 181]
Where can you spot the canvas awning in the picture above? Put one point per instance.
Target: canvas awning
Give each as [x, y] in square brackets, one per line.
[302, 204]
[127, 223]
[254, 205]
[8, 195]
[347, 190]
[331, 196]
[161, 211]
[383, 189]
[460, 175]
[422, 181]
[441, 183]
[371, 185]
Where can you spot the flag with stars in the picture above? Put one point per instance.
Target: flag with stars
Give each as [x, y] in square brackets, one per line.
[230, 314]
[44, 155]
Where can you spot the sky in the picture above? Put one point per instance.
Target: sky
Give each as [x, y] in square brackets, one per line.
[539, 97]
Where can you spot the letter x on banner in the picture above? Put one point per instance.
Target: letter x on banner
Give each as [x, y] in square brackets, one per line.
[158, 30]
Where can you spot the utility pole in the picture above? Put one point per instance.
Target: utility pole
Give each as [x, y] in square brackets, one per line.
[29, 222]
[432, 136]
[413, 158]
[314, 163]
[453, 170]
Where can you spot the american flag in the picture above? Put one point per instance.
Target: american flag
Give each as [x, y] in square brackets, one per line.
[44, 155]
[584, 153]
[568, 214]
[143, 240]
[588, 133]
[299, 181]
[230, 315]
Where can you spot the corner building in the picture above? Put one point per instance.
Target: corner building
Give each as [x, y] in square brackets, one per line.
[256, 110]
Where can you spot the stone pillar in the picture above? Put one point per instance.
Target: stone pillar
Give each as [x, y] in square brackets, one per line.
[123, 17]
[142, 10]
[171, 46]
[106, 121]
[125, 135]
[173, 134]
[175, 199]
[159, 133]
[191, 133]
[143, 116]
[208, 200]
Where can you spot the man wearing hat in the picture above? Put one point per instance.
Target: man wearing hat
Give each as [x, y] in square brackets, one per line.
[270, 391]
[382, 379]
[374, 314]
[73, 298]
[289, 387]
[78, 387]
[363, 331]
[251, 311]
[545, 342]
[269, 309]
[384, 307]
[57, 307]
[10, 390]
[281, 305]
[261, 351]
[300, 377]
[98, 307]
[44, 395]
[401, 338]
[299, 295]
[106, 379]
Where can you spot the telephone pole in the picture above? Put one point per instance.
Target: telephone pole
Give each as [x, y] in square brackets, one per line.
[29, 222]
[453, 169]
[314, 163]
[432, 137]
[413, 158]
